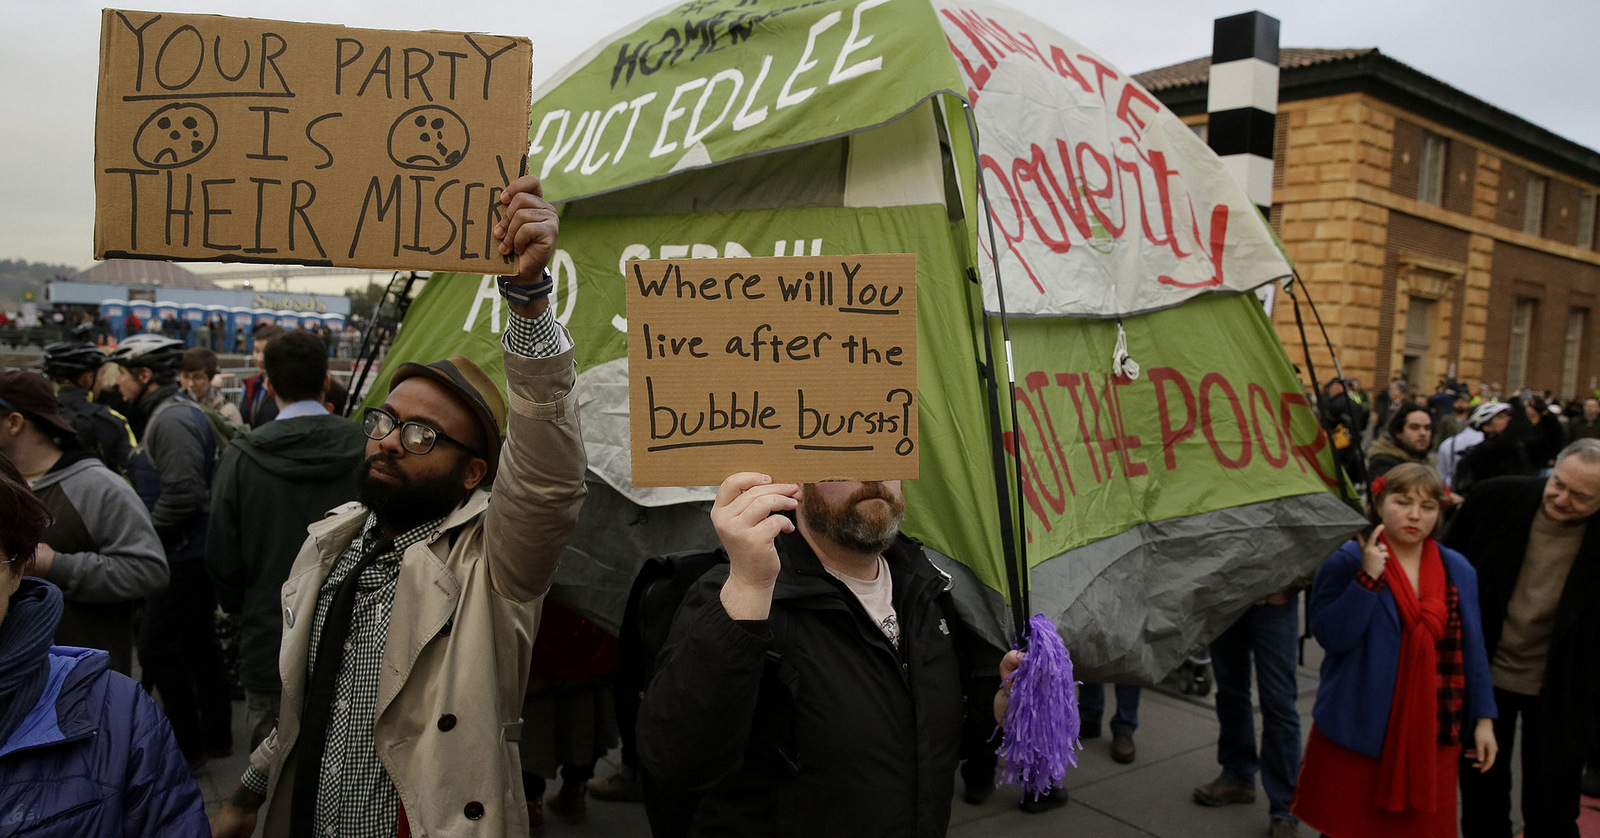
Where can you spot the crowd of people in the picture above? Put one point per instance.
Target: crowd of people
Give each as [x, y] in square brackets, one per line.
[212, 332]
[402, 673]
[342, 340]
[1519, 433]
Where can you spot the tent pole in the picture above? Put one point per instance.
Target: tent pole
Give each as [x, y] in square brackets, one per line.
[1311, 370]
[1013, 549]
[1337, 370]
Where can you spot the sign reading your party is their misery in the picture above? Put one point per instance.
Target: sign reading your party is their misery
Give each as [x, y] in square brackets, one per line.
[804, 368]
[245, 140]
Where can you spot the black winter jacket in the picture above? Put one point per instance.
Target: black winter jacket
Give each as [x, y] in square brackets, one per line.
[860, 739]
[1497, 456]
[272, 483]
[105, 431]
[1492, 531]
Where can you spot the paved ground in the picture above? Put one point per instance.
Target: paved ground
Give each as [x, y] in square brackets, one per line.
[1150, 797]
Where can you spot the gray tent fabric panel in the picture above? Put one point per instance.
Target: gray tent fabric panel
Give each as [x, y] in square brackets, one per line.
[614, 537]
[1133, 606]
[1130, 607]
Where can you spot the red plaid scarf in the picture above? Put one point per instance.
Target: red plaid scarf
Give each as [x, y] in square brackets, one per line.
[1452, 675]
[1407, 764]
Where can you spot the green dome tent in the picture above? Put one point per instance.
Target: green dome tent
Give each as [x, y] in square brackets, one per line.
[1162, 468]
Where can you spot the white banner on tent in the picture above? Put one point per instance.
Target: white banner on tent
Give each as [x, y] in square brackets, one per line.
[1103, 202]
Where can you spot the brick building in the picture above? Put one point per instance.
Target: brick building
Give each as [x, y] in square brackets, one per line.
[1437, 234]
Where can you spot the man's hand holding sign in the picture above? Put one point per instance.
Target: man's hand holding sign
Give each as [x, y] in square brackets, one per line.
[748, 515]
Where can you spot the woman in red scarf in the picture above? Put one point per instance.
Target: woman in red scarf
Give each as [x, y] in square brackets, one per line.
[1405, 692]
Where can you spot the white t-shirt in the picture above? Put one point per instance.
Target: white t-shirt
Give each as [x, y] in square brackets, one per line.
[877, 597]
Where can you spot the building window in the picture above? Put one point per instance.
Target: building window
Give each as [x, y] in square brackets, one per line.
[1569, 364]
[1419, 326]
[1586, 221]
[1430, 170]
[1533, 206]
[1517, 352]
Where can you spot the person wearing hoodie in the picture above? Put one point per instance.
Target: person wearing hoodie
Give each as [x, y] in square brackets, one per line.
[101, 549]
[272, 483]
[83, 751]
[1406, 440]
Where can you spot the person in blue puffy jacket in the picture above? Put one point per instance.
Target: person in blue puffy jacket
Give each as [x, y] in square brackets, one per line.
[1405, 702]
[83, 751]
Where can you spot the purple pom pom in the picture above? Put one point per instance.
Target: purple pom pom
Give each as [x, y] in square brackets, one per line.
[1042, 724]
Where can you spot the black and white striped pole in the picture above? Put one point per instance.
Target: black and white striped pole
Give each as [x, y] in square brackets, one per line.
[1242, 106]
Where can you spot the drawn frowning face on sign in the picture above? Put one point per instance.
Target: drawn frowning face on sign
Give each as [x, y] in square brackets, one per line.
[175, 135]
[429, 137]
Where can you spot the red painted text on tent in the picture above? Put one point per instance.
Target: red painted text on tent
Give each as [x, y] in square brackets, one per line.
[1076, 434]
[1086, 182]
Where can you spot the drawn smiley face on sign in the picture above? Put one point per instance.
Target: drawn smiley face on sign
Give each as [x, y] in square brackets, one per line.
[175, 135]
[430, 137]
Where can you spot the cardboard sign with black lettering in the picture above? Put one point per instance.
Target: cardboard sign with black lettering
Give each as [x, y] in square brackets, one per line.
[245, 140]
[802, 367]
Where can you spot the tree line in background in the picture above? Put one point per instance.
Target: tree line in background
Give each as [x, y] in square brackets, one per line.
[18, 276]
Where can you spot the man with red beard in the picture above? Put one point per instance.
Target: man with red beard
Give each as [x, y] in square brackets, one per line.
[811, 685]
[409, 618]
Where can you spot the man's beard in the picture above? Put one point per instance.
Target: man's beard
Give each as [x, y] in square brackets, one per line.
[866, 530]
[411, 504]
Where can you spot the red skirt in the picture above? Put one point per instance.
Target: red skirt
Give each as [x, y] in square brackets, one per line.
[1337, 786]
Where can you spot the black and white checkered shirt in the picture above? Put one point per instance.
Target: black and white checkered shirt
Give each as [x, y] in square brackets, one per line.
[357, 798]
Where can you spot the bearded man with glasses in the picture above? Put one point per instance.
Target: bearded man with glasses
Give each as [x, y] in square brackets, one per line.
[409, 618]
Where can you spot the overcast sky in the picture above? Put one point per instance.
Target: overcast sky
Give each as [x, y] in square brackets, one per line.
[1535, 58]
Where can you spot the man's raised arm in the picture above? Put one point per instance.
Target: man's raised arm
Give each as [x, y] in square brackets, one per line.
[539, 487]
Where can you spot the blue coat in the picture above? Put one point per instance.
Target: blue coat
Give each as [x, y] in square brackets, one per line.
[1359, 631]
[96, 758]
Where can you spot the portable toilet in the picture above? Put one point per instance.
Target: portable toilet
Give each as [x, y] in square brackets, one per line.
[193, 315]
[114, 312]
[220, 333]
[143, 311]
[241, 319]
[168, 314]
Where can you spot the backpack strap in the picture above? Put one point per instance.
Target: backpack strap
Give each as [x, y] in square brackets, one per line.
[197, 417]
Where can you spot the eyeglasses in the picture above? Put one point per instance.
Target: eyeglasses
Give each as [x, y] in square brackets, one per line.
[415, 437]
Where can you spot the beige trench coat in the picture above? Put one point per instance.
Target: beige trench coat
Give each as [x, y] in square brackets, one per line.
[465, 612]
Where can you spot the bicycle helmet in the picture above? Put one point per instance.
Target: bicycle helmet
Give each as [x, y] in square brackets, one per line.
[158, 354]
[1484, 412]
[66, 360]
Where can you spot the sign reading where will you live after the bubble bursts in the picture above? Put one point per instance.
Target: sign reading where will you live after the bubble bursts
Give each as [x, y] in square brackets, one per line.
[244, 140]
[802, 367]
